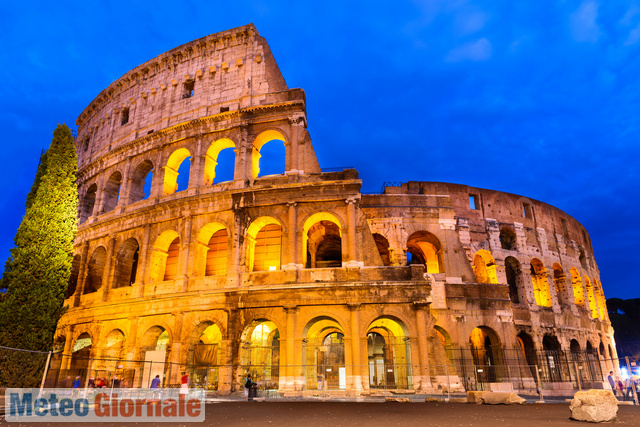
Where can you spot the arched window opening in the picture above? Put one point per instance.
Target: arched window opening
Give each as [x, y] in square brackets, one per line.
[513, 271]
[323, 355]
[540, 283]
[424, 248]
[508, 239]
[73, 278]
[260, 353]
[219, 162]
[268, 160]
[217, 254]
[484, 267]
[171, 268]
[141, 182]
[576, 284]
[486, 350]
[559, 282]
[113, 345]
[268, 247]
[324, 245]
[583, 259]
[574, 349]
[446, 348]
[528, 350]
[600, 301]
[389, 355]
[126, 264]
[112, 192]
[206, 356]
[383, 248]
[593, 306]
[88, 203]
[176, 172]
[95, 270]
[157, 267]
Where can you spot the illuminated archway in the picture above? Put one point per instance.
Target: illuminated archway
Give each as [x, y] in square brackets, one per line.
[540, 283]
[111, 192]
[576, 284]
[81, 355]
[154, 346]
[205, 355]
[559, 282]
[425, 248]
[445, 345]
[113, 345]
[211, 158]
[164, 259]
[486, 350]
[260, 353]
[212, 250]
[264, 244]
[484, 267]
[95, 270]
[126, 268]
[383, 248]
[174, 162]
[528, 349]
[322, 241]
[258, 143]
[600, 301]
[323, 354]
[141, 176]
[389, 354]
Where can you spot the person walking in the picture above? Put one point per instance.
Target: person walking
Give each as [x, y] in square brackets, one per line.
[612, 382]
[184, 383]
[248, 382]
[628, 384]
[155, 385]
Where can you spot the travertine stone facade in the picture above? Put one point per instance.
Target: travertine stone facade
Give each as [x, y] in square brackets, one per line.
[286, 275]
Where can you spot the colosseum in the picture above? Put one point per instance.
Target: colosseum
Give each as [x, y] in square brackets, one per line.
[298, 277]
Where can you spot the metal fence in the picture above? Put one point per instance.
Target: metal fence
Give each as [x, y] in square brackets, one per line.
[527, 372]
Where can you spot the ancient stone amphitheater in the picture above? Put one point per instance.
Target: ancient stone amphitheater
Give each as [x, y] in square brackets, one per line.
[298, 277]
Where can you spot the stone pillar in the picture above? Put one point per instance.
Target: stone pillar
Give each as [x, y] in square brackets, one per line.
[144, 250]
[157, 178]
[225, 371]
[82, 274]
[97, 207]
[67, 352]
[424, 377]
[294, 166]
[242, 169]
[356, 369]
[183, 274]
[292, 252]
[109, 269]
[176, 347]
[351, 229]
[289, 380]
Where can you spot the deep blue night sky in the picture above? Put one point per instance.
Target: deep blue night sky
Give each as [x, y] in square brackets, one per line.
[533, 98]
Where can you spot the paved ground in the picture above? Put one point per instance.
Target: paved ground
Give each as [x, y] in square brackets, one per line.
[365, 414]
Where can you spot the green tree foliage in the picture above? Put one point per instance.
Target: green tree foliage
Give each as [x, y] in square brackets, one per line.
[37, 272]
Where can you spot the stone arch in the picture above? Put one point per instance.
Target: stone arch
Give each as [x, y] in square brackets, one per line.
[559, 281]
[576, 284]
[593, 305]
[73, 278]
[425, 248]
[260, 140]
[81, 354]
[513, 271]
[126, 267]
[260, 352]
[599, 297]
[323, 353]
[445, 344]
[111, 192]
[540, 282]
[113, 344]
[554, 355]
[212, 250]
[382, 243]
[389, 354]
[322, 241]
[508, 239]
[171, 173]
[139, 178]
[95, 270]
[88, 203]
[164, 250]
[486, 349]
[528, 348]
[205, 351]
[211, 158]
[484, 267]
[264, 244]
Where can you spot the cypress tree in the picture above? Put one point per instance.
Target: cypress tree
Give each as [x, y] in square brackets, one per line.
[37, 272]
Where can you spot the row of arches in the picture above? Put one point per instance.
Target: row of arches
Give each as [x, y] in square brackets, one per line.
[485, 270]
[219, 164]
[322, 361]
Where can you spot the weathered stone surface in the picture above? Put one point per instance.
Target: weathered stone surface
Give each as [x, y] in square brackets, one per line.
[397, 399]
[475, 396]
[594, 406]
[502, 398]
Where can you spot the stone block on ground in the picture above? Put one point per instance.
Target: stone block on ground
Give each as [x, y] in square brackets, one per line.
[397, 399]
[595, 406]
[502, 398]
[475, 397]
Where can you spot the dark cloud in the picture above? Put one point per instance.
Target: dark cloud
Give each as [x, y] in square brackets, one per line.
[539, 99]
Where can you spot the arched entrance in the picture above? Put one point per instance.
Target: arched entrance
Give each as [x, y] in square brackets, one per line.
[554, 358]
[154, 347]
[206, 356]
[487, 354]
[323, 355]
[80, 357]
[389, 355]
[260, 353]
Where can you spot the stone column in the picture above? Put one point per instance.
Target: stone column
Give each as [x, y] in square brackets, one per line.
[356, 370]
[351, 229]
[183, 274]
[125, 187]
[289, 381]
[421, 308]
[242, 169]
[142, 261]
[294, 166]
[67, 352]
[82, 274]
[292, 252]
[109, 269]
[176, 347]
[225, 371]
[196, 172]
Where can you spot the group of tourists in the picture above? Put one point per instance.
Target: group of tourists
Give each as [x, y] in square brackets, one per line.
[625, 388]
